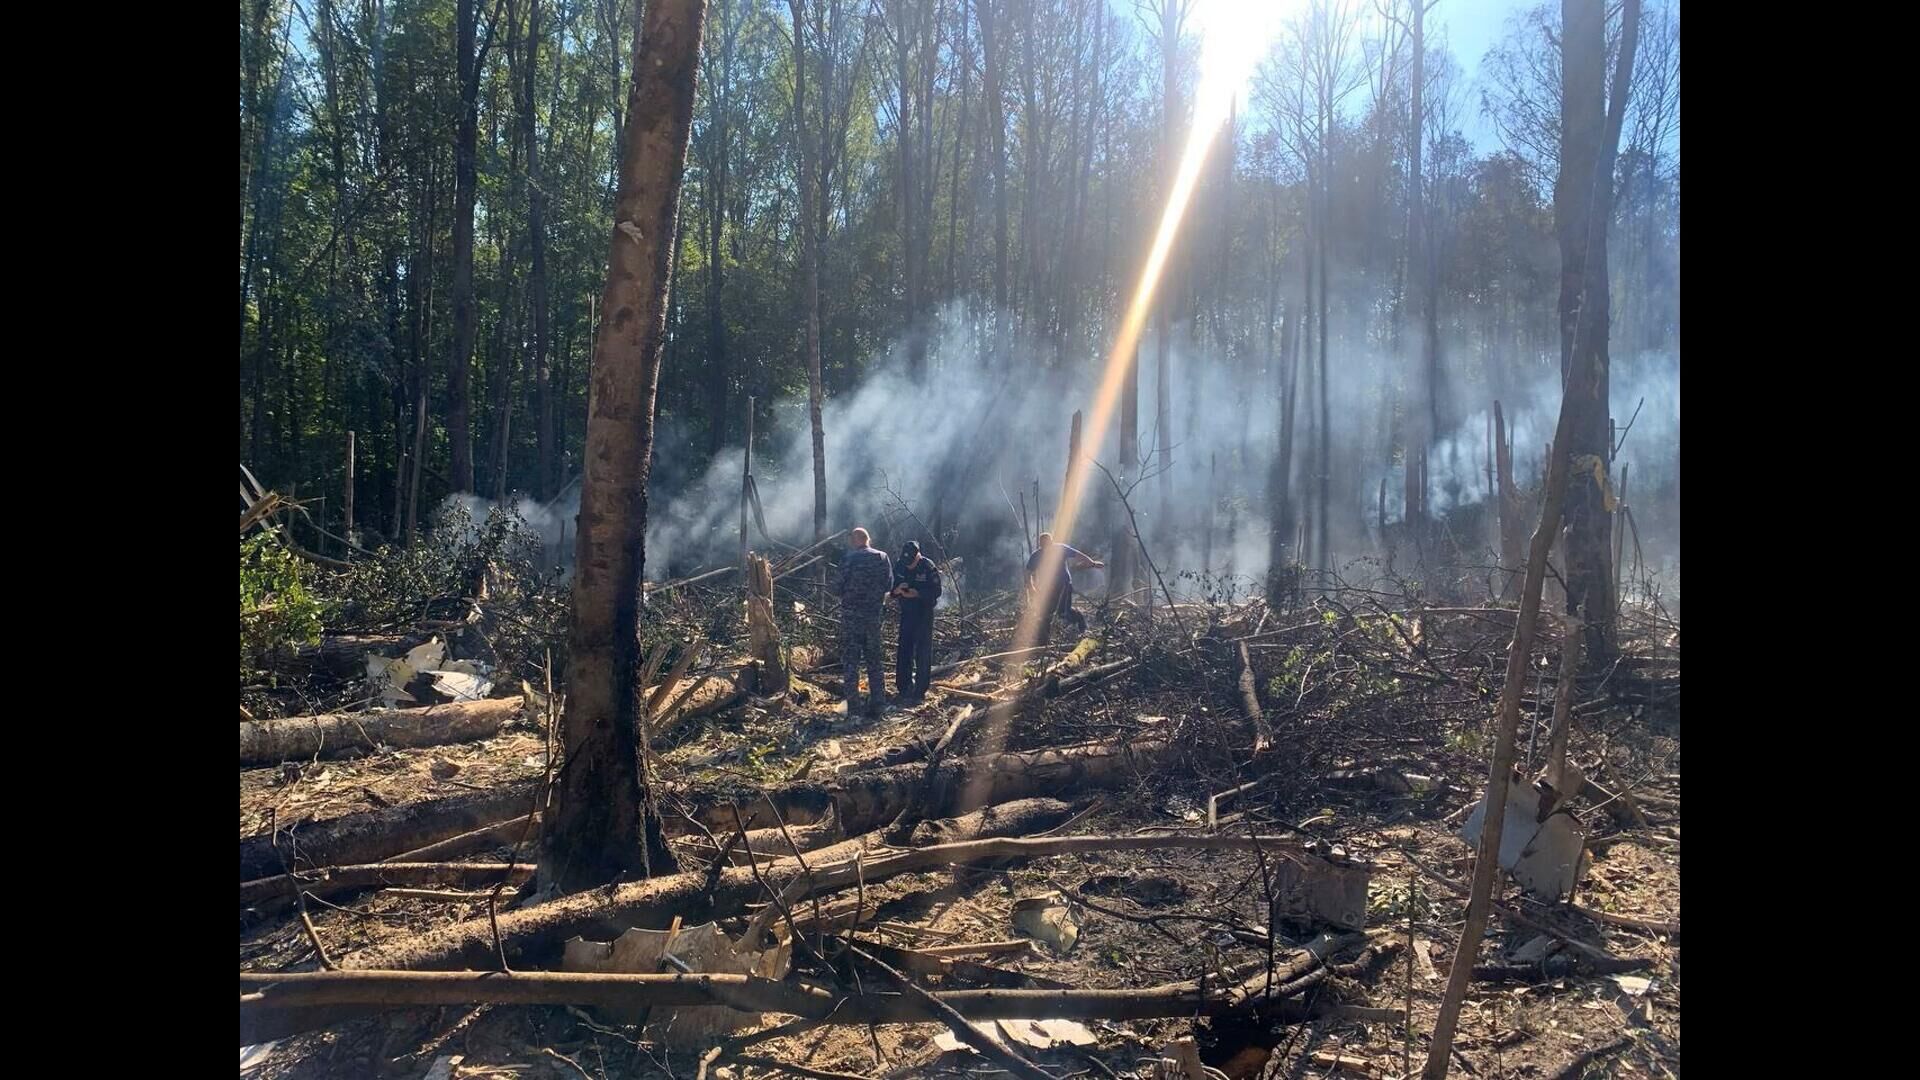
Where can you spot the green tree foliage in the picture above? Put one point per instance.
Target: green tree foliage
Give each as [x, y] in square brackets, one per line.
[348, 112]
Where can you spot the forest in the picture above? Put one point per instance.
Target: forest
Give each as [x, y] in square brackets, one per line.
[586, 344]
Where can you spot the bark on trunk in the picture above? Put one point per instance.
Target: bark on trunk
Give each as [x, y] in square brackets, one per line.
[603, 823]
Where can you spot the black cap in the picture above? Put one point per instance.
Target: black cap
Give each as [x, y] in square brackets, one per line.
[910, 549]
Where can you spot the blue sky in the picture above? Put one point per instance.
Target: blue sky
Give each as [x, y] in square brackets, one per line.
[1472, 27]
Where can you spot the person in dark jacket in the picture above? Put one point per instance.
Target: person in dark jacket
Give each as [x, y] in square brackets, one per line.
[1050, 583]
[866, 578]
[916, 584]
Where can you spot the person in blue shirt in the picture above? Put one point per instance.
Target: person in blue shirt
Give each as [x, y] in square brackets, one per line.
[1050, 583]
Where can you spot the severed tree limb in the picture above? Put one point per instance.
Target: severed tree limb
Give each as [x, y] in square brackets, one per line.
[1250, 699]
[1500, 769]
[502, 833]
[339, 879]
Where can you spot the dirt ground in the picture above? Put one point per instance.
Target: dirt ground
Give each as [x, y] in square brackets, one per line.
[1145, 917]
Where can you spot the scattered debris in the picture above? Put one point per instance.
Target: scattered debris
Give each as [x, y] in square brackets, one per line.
[703, 948]
[1048, 919]
[1544, 857]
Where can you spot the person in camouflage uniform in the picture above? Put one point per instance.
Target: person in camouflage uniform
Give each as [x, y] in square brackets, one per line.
[866, 577]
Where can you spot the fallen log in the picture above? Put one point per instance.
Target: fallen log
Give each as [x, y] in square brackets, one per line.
[1250, 700]
[869, 799]
[276, 1004]
[269, 742]
[772, 843]
[346, 655]
[500, 834]
[373, 835]
[531, 937]
[1017, 818]
[339, 879]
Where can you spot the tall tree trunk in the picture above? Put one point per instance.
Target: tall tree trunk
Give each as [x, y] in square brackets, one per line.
[1417, 431]
[543, 481]
[810, 264]
[717, 157]
[604, 823]
[718, 375]
[1172, 13]
[994, 110]
[1121, 571]
[1323, 465]
[466, 136]
[1583, 208]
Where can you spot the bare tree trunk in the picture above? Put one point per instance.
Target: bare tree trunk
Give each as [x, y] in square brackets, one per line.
[604, 823]
[1121, 570]
[1509, 504]
[460, 360]
[348, 502]
[537, 281]
[810, 264]
[1172, 14]
[1419, 432]
[1501, 772]
[994, 110]
[717, 159]
[1583, 208]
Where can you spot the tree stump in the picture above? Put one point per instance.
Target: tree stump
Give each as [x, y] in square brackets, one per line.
[765, 634]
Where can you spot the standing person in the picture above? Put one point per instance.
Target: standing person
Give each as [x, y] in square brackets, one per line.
[866, 577]
[916, 584]
[1050, 583]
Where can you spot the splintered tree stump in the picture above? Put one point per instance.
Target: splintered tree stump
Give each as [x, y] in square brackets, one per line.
[761, 629]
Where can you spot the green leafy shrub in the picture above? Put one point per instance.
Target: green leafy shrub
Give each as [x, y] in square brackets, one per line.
[277, 609]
